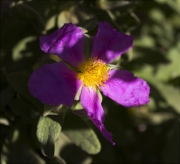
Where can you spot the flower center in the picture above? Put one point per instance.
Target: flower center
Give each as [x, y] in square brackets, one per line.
[93, 72]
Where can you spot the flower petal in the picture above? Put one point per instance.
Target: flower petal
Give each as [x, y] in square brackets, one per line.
[109, 43]
[126, 89]
[66, 42]
[91, 103]
[54, 84]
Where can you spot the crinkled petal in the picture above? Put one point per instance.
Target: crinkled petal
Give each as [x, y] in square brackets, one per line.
[108, 43]
[91, 103]
[67, 43]
[54, 84]
[126, 89]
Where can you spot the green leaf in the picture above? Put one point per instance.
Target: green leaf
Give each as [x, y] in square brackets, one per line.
[22, 46]
[54, 110]
[172, 69]
[19, 82]
[23, 109]
[144, 116]
[17, 147]
[115, 5]
[57, 160]
[80, 112]
[78, 109]
[26, 13]
[48, 130]
[63, 17]
[78, 131]
[169, 93]
[84, 17]
[78, 93]
[6, 95]
[173, 4]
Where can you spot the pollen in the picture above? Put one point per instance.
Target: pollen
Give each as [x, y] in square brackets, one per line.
[93, 72]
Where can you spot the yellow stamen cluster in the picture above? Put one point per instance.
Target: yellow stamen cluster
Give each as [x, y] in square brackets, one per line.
[93, 72]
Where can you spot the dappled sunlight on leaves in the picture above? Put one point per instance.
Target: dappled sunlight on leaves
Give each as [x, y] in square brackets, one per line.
[32, 132]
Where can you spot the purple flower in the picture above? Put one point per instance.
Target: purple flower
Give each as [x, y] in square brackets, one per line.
[58, 83]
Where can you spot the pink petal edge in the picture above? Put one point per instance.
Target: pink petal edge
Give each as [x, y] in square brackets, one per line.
[108, 43]
[54, 84]
[91, 103]
[66, 42]
[126, 89]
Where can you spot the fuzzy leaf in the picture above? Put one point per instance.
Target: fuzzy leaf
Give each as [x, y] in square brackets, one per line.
[48, 131]
[81, 134]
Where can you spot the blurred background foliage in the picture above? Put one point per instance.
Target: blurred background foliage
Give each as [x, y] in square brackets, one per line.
[33, 133]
